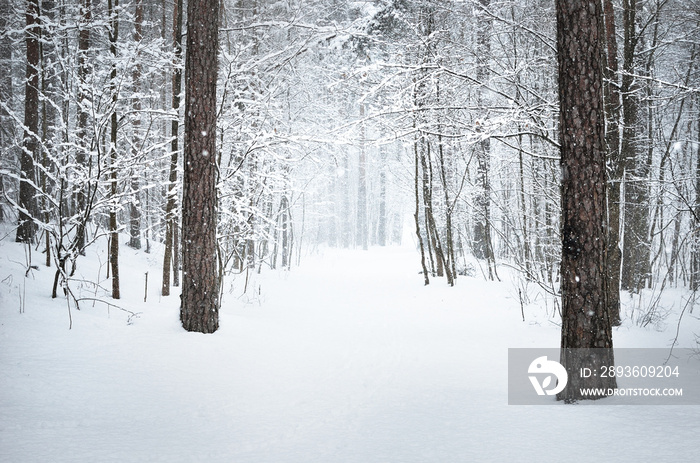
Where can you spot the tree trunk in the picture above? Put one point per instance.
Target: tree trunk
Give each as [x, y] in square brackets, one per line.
[416, 214]
[30, 143]
[286, 242]
[361, 231]
[170, 254]
[585, 318]
[201, 277]
[82, 156]
[695, 223]
[112, 8]
[135, 203]
[615, 166]
[346, 225]
[443, 267]
[176, 252]
[7, 126]
[635, 249]
[381, 221]
[483, 247]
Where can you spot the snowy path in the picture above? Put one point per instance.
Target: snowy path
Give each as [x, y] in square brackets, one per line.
[347, 359]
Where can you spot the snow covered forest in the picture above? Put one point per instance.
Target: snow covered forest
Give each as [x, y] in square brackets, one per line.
[323, 165]
[336, 120]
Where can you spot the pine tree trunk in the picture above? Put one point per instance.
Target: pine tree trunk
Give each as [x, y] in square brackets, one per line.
[30, 144]
[483, 247]
[135, 203]
[112, 8]
[7, 126]
[83, 145]
[201, 277]
[615, 165]
[585, 318]
[635, 249]
[171, 225]
[176, 252]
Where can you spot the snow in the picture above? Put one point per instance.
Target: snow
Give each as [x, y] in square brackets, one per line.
[348, 358]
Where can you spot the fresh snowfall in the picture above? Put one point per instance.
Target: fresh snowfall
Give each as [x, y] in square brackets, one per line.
[345, 358]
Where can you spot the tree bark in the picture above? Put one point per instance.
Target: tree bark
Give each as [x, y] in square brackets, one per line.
[483, 246]
[416, 214]
[636, 245]
[112, 8]
[170, 254]
[135, 203]
[695, 222]
[615, 166]
[7, 126]
[201, 277]
[585, 318]
[30, 143]
[83, 145]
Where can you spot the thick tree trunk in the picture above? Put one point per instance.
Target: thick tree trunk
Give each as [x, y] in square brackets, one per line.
[30, 143]
[201, 277]
[585, 318]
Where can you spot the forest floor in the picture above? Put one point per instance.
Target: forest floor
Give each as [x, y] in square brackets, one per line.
[347, 358]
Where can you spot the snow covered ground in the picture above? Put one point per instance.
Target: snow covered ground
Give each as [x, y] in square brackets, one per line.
[348, 358]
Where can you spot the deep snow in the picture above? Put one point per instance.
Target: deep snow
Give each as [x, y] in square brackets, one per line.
[348, 358]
